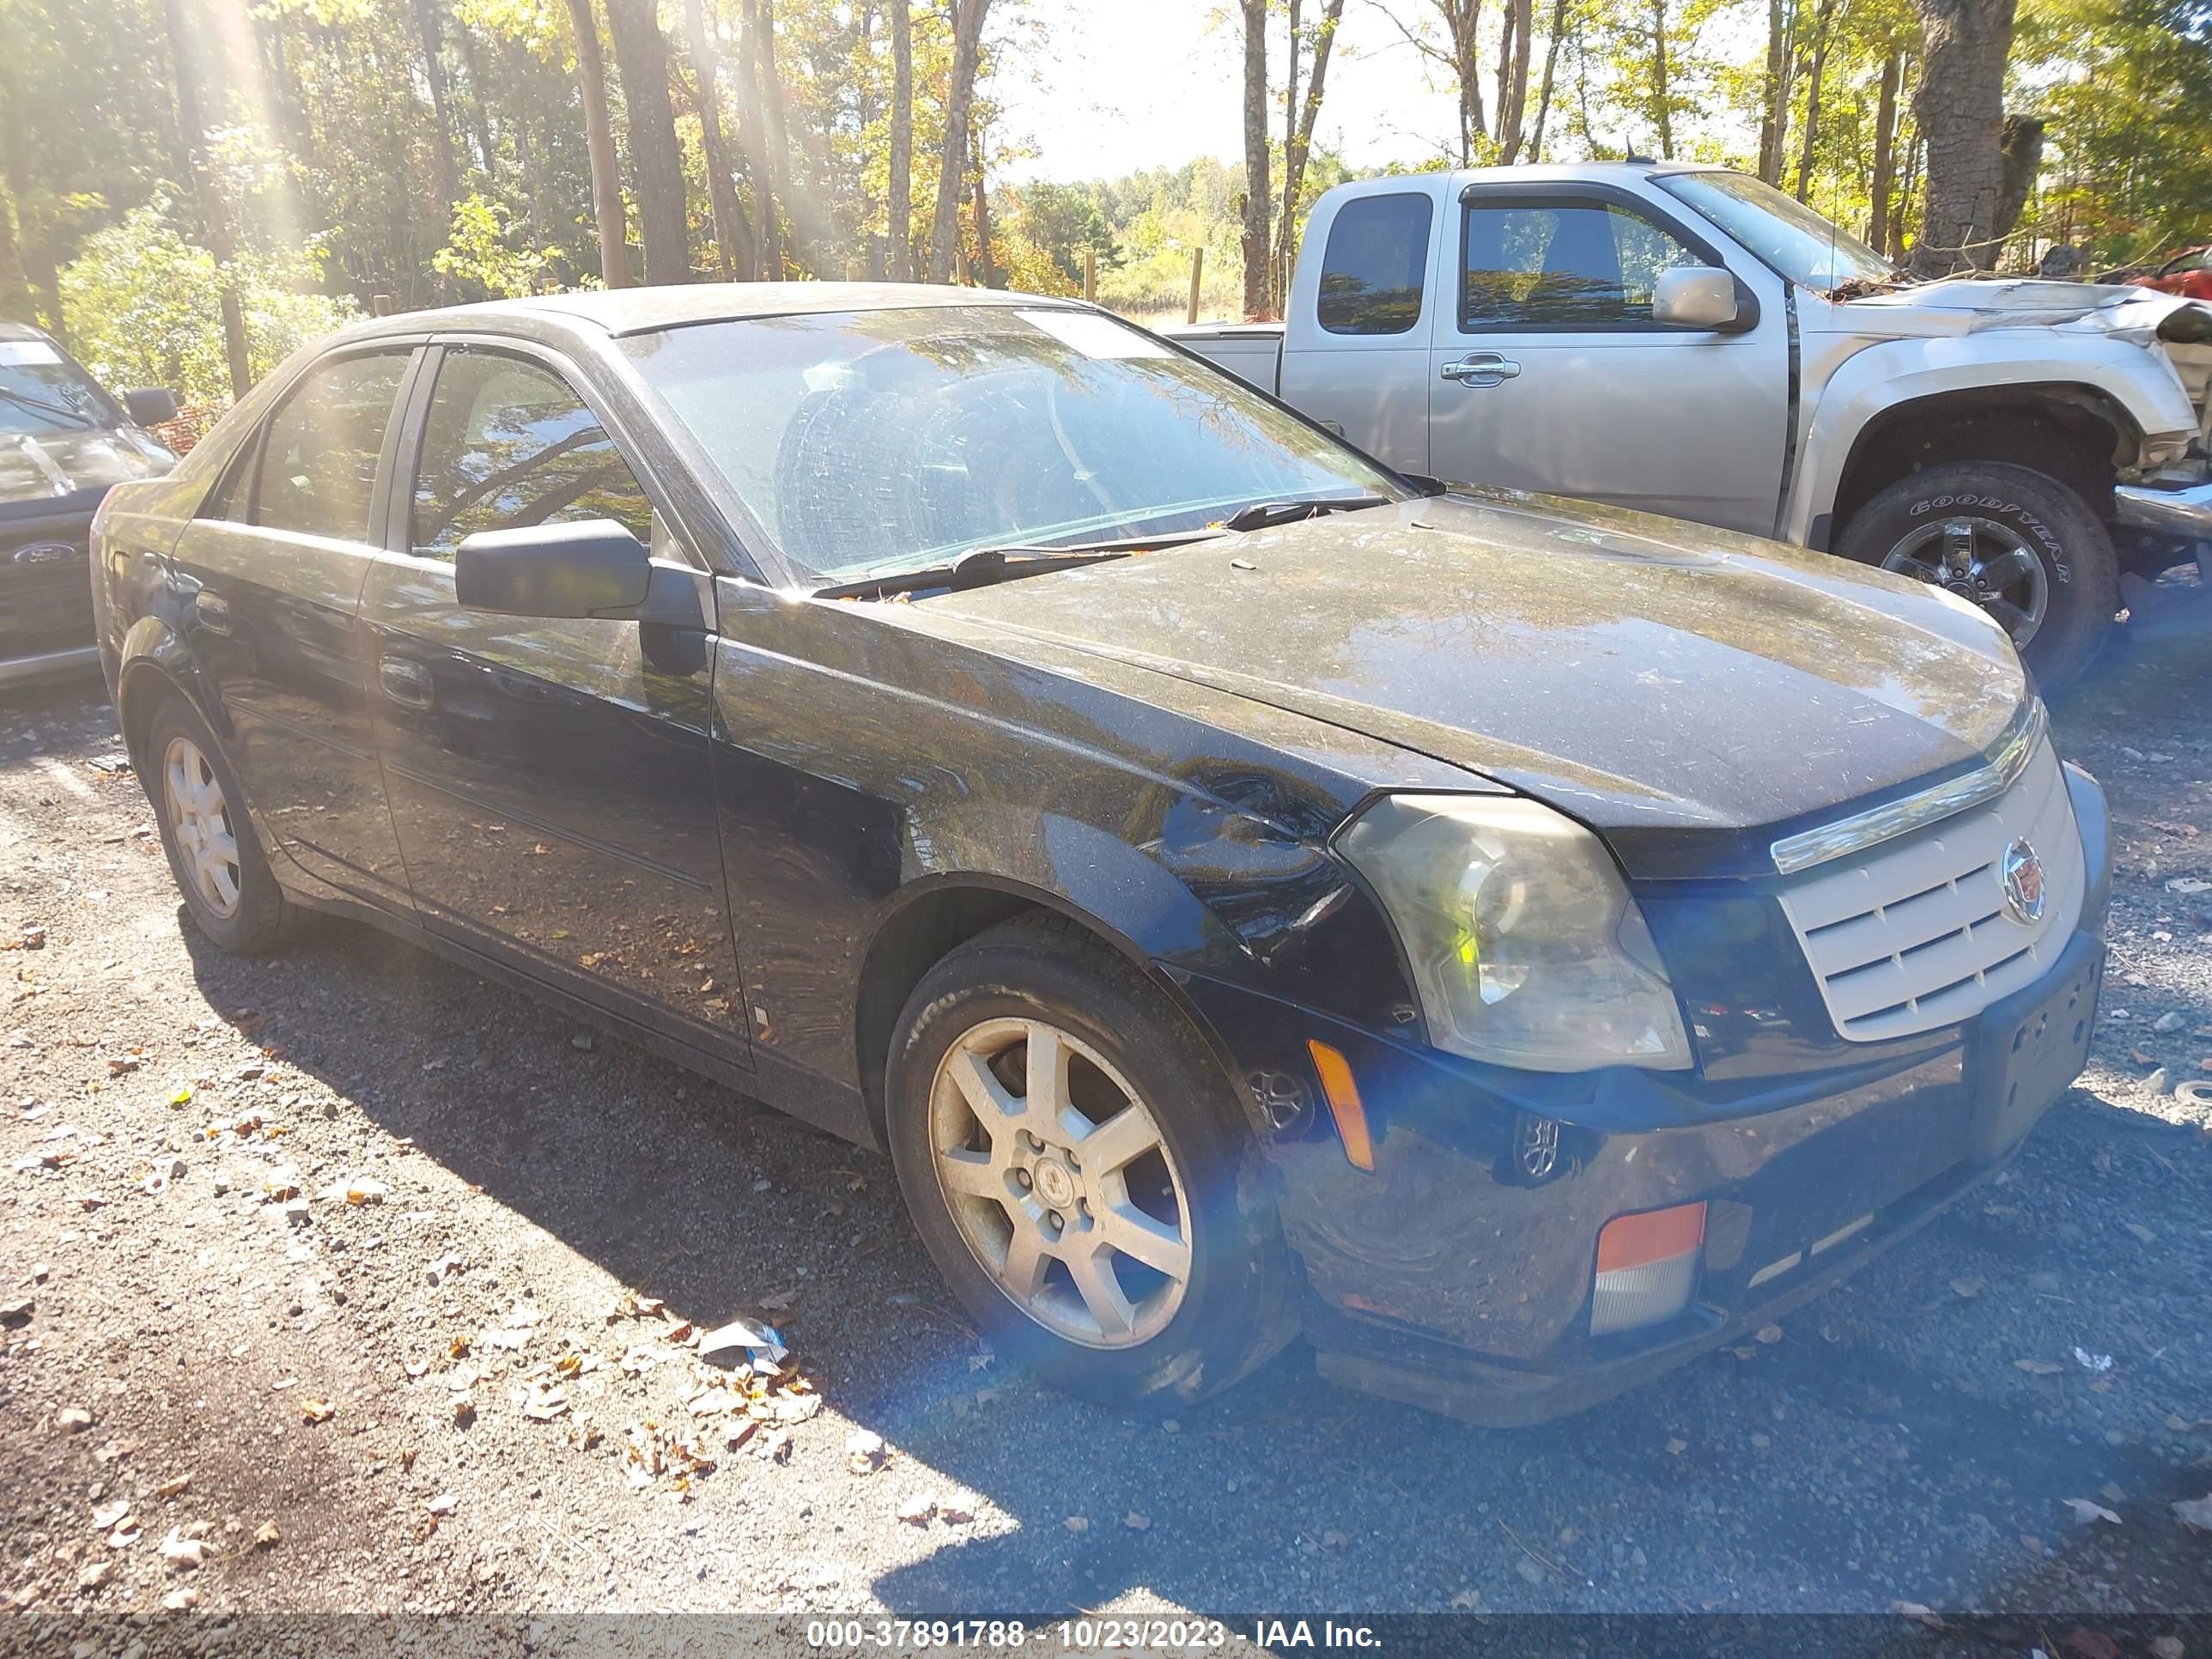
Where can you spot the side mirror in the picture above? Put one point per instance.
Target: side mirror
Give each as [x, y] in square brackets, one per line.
[150, 405]
[593, 567]
[1695, 296]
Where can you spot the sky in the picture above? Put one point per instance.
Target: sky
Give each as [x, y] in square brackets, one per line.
[1102, 87]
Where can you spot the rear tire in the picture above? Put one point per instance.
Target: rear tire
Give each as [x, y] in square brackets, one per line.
[2002, 509]
[214, 853]
[1133, 1257]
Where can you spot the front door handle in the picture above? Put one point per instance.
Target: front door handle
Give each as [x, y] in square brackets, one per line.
[213, 611]
[1481, 368]
[407, 683]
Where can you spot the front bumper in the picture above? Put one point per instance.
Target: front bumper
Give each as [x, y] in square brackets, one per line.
[1455, 1276]
[2184, 513]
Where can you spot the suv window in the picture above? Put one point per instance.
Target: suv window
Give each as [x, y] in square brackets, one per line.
[1375, 266]
[318, 454]
[1562, 265]
[508, 444]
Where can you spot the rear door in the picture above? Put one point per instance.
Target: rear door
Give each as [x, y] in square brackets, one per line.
[550, 781]
[1356, 350]
[1548, 372]
[267, 579]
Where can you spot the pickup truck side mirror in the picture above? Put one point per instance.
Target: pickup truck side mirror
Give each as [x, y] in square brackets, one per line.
[1701, 296]
[150, 405]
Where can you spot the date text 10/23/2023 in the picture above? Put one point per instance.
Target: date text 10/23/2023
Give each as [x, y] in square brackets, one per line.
[1086, 1635]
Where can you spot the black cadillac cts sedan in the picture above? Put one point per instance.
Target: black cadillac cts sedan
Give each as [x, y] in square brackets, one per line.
[1517, 945]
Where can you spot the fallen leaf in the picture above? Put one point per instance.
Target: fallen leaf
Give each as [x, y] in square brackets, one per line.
[1136, 1521]
[72, 1419]
[316, 1409]
[2037, 1367]
[2167, 1647]
[182, 1554]
[954, 1512]
[444, 1503]
[1676, 1447]
[1335, 1541]
[865, 1452]
[1925, 1615]
[171, 1488]
[267, 1534]
[1970, 1288]
[2088, 1513]
[181, 1600]
[2194, 1513]
[916, 1511]
[95, 1576]
[2092, 1644]
[1768, 1334]
[1077, 1524]
[110, 1514]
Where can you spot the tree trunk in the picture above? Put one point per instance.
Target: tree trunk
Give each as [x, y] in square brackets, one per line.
[600, 134]
[1906, 191]
[1544, 95]
[2021, 151]
[733, 235]
[1257, 196]
[655, 159]
[1885, 152]
[479, 105]
[1462, 23]
[986, 272]
[1278, 278]
[900, 208]
[1774, 119]
[1662, 97]
[778, 133]
[1814, 70]
[432, 33]
[1966, 43]
[767, 209]
[1513, 94]
[214, 212]
[967, 51]
[1301, 145]
[29, 282]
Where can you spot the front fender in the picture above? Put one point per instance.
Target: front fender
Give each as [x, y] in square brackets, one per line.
[151, 648]
[1849, 386]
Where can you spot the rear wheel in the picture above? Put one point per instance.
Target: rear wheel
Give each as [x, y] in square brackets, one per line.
[214, 853]
[2019, 543]
[1077, 1163]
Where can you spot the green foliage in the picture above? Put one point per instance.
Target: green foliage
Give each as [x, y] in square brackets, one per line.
[143, 308]
[479, 254]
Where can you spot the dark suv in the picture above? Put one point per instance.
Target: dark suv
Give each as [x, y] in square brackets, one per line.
[62, 443]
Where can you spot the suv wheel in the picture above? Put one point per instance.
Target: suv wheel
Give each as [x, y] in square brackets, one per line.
[2021, 545]
[1077, 1163]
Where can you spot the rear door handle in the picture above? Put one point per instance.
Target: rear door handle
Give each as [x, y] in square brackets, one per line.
[407, 683]
[213, 611]
[1481, 368]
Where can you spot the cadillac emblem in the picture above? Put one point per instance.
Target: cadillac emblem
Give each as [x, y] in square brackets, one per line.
[2020, 874]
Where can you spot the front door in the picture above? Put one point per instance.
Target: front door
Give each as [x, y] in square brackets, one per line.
[265, 582]
[1547, 371]
[551, 781]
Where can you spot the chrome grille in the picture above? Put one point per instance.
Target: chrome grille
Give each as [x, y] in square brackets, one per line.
[1913, 934]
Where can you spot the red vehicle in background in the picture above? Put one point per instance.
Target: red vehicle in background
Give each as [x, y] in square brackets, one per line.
[2188, 274]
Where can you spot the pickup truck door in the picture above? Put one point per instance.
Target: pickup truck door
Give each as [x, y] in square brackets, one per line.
[1547, 371]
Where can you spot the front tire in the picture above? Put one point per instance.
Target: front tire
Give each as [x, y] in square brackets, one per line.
[1077, 1163]
[2015, 541]
[214, 853]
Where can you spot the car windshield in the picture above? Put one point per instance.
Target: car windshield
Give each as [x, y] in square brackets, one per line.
[872, 442]
[1806, 248]
[42, 391]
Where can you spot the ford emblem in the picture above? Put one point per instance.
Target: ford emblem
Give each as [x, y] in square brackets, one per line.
[45, 553]
[2019, 872]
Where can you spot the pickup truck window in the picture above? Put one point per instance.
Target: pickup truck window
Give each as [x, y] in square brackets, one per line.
[1376, 264]
[1781, 230]
[1588, 265]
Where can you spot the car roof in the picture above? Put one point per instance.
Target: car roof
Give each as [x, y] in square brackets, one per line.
[1578, 173]
[642, 310]
[22, 332]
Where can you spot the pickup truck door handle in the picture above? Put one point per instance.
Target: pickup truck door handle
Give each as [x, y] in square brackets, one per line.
[213, 611]
[407, 683]
[1480, 369]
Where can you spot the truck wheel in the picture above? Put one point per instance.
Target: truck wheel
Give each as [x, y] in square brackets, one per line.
[1078, 1165]
[2021, 545]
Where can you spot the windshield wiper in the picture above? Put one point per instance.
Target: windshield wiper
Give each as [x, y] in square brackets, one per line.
[1261, 514]
[979, 567]
[24, 400]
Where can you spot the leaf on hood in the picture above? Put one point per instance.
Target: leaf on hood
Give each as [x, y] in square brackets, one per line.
[2088, 1513]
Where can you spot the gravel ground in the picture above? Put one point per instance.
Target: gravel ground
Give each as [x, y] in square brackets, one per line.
[191, 1360]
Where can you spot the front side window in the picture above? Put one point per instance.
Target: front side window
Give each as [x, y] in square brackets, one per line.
[867, 443]
[318, 467]
[1563, 265]
[1376, 264]
[508, 444]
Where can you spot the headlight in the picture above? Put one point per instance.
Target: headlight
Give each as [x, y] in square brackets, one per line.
[1526, 948]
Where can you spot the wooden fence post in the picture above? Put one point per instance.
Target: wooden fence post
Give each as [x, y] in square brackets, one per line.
[1197, 270]
[1090, 275]
[381, 304]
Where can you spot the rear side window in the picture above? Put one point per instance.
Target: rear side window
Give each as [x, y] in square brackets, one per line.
[318, 454]
[1563, 265]
[1376, 264]
[508, 444]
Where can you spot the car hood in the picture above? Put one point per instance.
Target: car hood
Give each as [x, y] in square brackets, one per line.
[45, 466]
[1962, 305]
[1690, 693]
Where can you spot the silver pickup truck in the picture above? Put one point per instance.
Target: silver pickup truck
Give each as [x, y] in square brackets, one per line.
[1686, 340]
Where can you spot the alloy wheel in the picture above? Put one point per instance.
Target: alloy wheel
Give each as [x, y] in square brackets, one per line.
[1984, 561]
[200, 818]
[1056, 1175]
